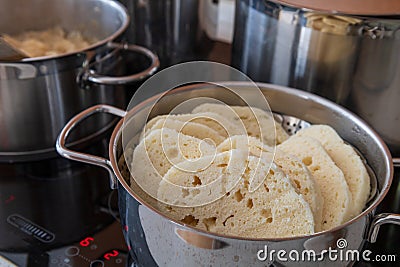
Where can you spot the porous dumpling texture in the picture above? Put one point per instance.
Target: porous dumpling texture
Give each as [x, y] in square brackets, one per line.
[194, 129]
[223, 171]
[258, 123]
[159, 151]
[274, 210]
[301, 178]
[218, 123]
[329, 178]
[304, 183]
[347, 159]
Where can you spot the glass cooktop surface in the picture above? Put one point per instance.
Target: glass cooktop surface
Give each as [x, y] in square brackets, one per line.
[72, 220]
[58, 213]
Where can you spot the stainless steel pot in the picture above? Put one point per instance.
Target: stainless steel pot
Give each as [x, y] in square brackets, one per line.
[171, 28]
[38, 95]
[157, 240]
[354, 63]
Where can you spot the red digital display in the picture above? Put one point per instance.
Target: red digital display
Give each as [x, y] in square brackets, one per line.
[10, 199]
[86, 242]
[111, 254]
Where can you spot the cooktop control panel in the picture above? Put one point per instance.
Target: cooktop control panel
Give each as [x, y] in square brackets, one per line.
[103, 249]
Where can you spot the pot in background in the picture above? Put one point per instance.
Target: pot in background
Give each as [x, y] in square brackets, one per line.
[354, 63]
[157, 240]
[39, 95]
[174, 29]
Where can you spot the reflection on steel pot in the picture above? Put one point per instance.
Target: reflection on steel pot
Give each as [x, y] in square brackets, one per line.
[351, 60]
[61, 197]
[155, 239]
[38, 95]
[171, 28]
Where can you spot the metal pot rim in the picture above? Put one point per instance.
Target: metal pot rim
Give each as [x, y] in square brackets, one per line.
[388, 160]
[115, 5]
[311, 7]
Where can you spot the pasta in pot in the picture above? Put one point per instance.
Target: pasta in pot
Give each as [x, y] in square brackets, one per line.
[50, 42]
[330, 23]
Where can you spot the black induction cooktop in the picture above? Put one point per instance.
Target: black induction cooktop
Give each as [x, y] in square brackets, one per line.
[60, 214]
[104, 248]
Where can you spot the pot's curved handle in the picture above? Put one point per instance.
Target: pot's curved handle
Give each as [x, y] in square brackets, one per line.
[379, 220]
[383, 218]
[87, 75]
[396, 162]
[83, 157]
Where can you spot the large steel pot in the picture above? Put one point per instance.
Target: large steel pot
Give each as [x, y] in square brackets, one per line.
[355, 64]
[156, 240]
[174, 29]
[38, 95]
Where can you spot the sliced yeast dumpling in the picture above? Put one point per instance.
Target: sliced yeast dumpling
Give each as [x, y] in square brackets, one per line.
[257, 122]
[274, 210]
[194, 129]
[191, 189]
[347, 160]
[159, 151]
[218, 123]
[329, 178]
[304, 183]
[300, 176]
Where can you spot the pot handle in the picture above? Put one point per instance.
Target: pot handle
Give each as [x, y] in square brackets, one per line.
[83, 157]
[379, 220]
[200, 241]
[87, 75]
[396, 162]
[383, 218]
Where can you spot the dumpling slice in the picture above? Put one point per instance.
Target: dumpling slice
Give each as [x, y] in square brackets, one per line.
[346, 158]
[274, 210]
[329, 178]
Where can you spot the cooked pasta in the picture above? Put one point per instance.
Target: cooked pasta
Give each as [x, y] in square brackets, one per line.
[330, 23]
[50, 42]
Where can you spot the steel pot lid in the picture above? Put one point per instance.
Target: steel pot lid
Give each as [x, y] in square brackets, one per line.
[349, 7]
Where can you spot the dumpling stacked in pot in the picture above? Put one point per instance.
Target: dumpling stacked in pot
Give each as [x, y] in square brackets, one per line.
[219, 169]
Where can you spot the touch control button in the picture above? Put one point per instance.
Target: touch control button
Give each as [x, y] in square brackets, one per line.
[97, 263]
[72, 251]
